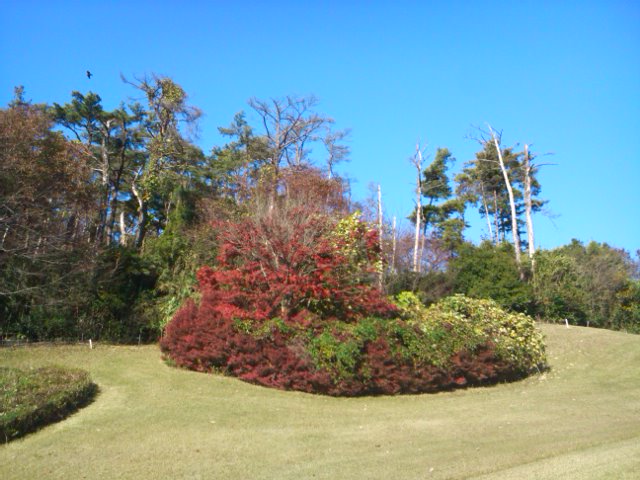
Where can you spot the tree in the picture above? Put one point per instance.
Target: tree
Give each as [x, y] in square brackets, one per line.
[168, 151]
[495, 138]
[589, 285]
[115, 141]
[490, 271]
[291, 126]
[441, 220]
[336, 151]
[442, 213]
[481, 183]
[417, 162]
[300, 255]
[45, 211]
[235, 167]
[531, 186]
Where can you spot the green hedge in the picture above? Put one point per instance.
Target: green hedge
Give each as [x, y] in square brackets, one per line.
[31, 399]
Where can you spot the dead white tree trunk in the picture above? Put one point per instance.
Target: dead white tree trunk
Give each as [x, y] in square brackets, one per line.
[123, 230]
[6, 231]
[487, 214]
[380, 266]
[422, 245]
[512, 203]
[496, 218]
[393, 247]
[142, 213]
[528, 205]
[417, 162]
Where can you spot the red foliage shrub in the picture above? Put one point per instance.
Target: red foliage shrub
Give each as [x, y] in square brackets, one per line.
[283, 278]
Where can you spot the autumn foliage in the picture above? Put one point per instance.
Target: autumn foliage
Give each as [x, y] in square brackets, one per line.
[292, 303]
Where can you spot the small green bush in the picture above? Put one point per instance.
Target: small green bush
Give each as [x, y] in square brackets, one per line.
[31, 399]
[459, 323]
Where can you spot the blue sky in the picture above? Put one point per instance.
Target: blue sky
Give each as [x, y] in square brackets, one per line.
[564, 76]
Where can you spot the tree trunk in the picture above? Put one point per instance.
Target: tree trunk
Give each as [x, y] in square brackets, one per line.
[142, 216]
[496, 218]
[416, 244]
[421, 254]
[380, 266]
[512, 203]
[486, 212]
[528, 206]
[123, 230]
[104, 172]
[393, 247]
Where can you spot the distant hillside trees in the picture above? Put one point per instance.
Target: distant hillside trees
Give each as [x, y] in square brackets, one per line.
[106, 214]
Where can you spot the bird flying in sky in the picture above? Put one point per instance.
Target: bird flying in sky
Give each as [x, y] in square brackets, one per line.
[89, 74]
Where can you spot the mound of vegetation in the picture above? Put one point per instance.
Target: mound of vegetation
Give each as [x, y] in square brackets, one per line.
[292, 304]
[461, 324]
[31, 399]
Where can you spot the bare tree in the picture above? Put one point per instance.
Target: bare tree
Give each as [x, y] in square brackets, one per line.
[531, 188]
[336, 151]
[528, 204]
[417, 162]
[394, 246]
[380, 232]
[290, 126]
[495, 138]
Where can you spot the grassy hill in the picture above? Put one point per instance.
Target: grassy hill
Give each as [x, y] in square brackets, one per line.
[581, 420]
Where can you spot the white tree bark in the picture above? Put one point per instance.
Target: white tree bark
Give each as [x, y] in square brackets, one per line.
[528, 205]
[487, 214]
[123, 230]
[142, 213]
[496, 218]
[380, 266]
[417, 162]
[512, 203]
[393, 247]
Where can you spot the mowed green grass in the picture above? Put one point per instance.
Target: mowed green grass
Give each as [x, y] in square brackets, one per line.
[580, 420]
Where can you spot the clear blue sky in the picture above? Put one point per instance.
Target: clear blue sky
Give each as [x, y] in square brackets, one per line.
[564, 76]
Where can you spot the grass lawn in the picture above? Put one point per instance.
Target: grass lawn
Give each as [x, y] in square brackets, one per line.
[581, 420]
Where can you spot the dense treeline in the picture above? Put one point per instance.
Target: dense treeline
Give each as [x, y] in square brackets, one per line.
[106, 215]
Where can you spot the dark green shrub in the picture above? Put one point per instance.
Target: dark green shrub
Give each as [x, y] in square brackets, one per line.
[31, 399]
[489, 271]
[429, 287]
[588, 285]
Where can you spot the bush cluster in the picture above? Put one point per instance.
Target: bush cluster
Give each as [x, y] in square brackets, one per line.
[291, 305]
[460, 323]
[31, 399]
[457, 342]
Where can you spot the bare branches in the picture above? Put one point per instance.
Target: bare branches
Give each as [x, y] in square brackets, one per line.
[291, 128]
[336, 152]
[291, 124]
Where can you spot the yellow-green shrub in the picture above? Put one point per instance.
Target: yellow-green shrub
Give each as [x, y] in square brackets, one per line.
[459, 323]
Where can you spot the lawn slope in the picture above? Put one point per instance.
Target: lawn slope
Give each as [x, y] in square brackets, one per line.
[580, 420]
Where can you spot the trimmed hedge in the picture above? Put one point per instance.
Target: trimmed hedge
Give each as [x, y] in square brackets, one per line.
[31, 399]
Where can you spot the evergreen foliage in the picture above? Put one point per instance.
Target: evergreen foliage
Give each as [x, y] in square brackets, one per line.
[488, 271]
[105, 218]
